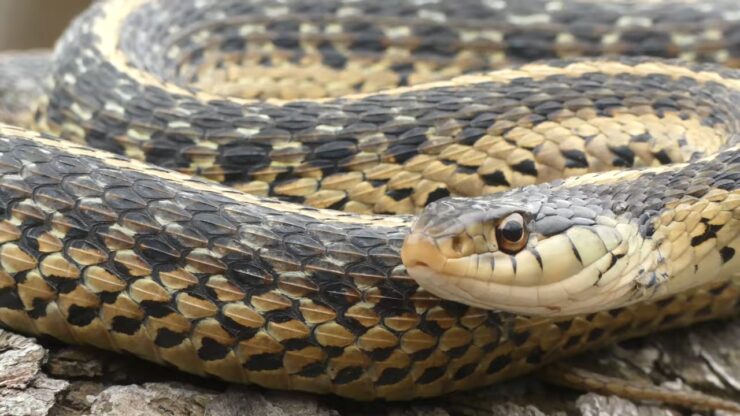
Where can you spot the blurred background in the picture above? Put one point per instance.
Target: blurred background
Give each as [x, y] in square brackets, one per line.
[26, 24]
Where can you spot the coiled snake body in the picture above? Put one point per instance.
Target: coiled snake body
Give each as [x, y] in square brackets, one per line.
[289, 293]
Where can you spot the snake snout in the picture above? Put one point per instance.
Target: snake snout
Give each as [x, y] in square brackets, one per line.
[421, 250]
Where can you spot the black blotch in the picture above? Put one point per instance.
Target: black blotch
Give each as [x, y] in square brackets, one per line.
[264, 362]
[490, 346]
[495, 179]
[572, 341]
[339, 205]
[312, 370]
[431, 374]
[392, 376]
[125, 325]
[663, 303]
[663, 157]
[595, 334]
[705, 311]
[399, 194]
[21, 277]
[464, 371]
[61, 284]
[348, 374]
[526, 167]
[625, 156]
[38, 310]
[670, 318]
[498, 364]
[535, 356]
[564, 325]
[156, 309]
[709, 232]
[458, 352]
[295, 344]
[454, 308]
[438, 194]
[235, 329]
[466, 170]
[422, 355]
[108, 297]
[167, 338]
[9, 299]
[519, 338]
[621, 329]
[80, 316]
[727, 253]
[381, 354]
[333, 352]
[575, 159]
[333, 59]
[212, 350]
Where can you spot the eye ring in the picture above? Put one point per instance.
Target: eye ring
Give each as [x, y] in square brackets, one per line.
[512, 234]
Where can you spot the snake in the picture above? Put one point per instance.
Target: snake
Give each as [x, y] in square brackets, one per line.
[378, 199]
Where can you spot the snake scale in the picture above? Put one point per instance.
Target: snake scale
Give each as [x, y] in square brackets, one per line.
[513, 241]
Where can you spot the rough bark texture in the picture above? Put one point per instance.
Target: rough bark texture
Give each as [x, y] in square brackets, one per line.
[60, 380]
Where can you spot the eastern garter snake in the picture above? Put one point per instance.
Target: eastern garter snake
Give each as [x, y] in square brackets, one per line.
[100, 250]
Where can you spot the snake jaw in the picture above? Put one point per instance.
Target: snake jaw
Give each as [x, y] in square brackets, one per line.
[566, 266]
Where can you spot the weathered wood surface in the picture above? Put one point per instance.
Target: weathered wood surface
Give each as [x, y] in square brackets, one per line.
[60, 380]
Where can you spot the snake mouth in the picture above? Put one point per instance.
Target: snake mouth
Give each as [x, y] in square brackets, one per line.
[424, 260]
[541, 280]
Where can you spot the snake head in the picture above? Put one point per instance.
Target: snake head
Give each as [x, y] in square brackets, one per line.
[520, 254]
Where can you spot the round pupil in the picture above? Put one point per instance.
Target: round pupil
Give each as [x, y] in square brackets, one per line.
[512, 231]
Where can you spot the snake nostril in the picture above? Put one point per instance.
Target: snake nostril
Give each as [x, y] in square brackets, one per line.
[462, 245]
[457, 243]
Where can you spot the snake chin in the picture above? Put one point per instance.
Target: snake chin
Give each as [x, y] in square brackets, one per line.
[514, 299]
[571, 296]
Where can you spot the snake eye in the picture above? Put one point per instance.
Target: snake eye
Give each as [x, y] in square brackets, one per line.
[511, 234]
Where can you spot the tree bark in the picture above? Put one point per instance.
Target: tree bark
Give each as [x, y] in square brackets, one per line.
[60, 380]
